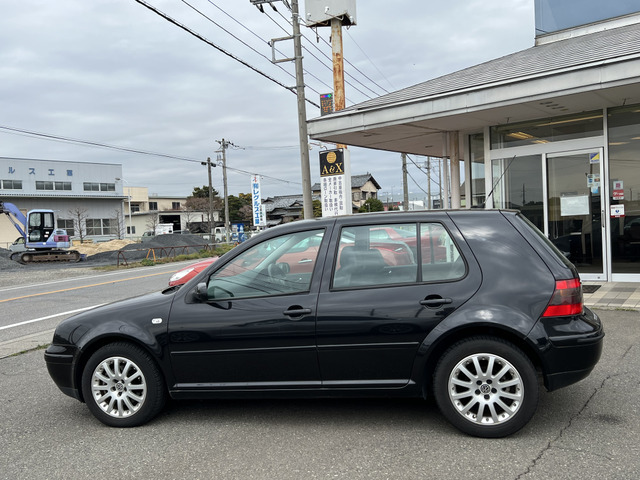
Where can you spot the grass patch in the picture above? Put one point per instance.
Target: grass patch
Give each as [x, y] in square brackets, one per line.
[34, 349]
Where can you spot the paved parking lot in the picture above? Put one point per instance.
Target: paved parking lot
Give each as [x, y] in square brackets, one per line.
[588, 430]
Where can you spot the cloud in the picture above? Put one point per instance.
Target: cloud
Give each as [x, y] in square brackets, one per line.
[114, 72]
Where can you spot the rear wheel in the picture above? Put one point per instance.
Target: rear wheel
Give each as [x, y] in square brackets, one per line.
[486, 387]
[122, 385]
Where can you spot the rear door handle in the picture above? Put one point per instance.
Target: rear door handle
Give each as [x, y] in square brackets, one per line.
[435, 302]
[296, 312]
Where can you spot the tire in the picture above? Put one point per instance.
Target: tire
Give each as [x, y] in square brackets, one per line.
[122, 385]
[468, 391]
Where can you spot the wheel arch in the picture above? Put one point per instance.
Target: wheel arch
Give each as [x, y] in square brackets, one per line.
[97, 343]
[435, 350]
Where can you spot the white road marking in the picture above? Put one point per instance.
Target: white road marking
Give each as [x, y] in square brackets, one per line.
[50, 316]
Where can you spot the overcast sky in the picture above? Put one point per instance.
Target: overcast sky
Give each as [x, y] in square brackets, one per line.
[115, 73]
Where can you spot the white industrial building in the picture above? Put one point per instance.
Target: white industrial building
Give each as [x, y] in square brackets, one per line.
[91, 192]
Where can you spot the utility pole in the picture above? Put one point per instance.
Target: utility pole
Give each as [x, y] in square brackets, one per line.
[405, 187]
[208, 164]
[307, 200]
[223, 145]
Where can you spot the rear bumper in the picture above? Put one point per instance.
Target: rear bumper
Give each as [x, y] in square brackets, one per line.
[60, 362]
[571, 349]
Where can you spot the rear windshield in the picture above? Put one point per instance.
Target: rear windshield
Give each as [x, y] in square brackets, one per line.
[544, 241]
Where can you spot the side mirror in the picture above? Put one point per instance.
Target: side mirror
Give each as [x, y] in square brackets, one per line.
[201, 292]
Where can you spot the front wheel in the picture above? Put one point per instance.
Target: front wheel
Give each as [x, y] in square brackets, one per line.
[122, 385]
[486, 387]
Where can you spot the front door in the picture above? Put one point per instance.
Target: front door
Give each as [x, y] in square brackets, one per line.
[575, 209]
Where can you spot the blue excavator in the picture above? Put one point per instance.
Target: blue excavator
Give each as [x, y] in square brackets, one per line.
[43, 241]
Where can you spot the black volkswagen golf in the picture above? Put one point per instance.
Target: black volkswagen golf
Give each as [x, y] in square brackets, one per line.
[472, 307]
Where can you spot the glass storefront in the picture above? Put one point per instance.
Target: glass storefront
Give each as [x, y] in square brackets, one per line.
[624, 188]
[577, 183]
[518, 185]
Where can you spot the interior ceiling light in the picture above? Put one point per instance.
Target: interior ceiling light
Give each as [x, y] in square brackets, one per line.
[541, 141]
[617, 143]
[571, 120]
[520, 135]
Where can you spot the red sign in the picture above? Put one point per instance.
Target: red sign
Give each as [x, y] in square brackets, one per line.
[618, 194]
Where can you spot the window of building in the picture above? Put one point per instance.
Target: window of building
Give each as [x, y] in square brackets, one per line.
[356, 196]
[624, 187]
[518, 184]
[135, 207]
[153, 206]
[67, 225]
[107, 187]
[62, 186]
[40, 185]
[175, 205]
[131, 230]
[102, 226]
[91, 187]
[11, 184]
[570, 127]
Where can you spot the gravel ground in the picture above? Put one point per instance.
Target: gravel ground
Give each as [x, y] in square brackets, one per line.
[13, 273]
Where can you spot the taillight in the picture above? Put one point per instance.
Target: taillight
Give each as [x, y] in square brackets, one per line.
[566, 300]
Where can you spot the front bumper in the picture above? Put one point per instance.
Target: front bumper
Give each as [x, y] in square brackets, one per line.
[60, 360]
[569, 347]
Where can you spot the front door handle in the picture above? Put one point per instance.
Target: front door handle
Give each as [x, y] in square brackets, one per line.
[435, 301]
[296, 312]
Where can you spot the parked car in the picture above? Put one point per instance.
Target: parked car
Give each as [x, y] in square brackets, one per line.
[187, 273]
[19, 245]
[314, 309]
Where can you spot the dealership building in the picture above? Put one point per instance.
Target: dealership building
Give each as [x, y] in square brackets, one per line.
[553, 131]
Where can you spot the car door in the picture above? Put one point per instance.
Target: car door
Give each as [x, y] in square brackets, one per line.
[374, 311]
[252, 325]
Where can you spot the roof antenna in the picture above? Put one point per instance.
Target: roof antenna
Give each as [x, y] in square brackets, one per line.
[496, 184]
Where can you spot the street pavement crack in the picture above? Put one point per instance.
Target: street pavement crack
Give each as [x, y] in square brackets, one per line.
[551, 443]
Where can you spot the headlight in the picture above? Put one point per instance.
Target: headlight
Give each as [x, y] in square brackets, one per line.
[182, 273]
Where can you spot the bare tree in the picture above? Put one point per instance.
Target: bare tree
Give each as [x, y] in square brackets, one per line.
[119, 228]
[153, 222]
[79, 216]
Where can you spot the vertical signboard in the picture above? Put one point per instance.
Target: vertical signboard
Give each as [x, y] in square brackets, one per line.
[335, 182]
[326, 104]
[256, 202]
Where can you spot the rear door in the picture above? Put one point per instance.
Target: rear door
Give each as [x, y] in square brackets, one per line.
[377, 304]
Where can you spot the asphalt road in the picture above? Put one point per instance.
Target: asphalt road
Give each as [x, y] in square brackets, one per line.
[590, 430]
[33, 302]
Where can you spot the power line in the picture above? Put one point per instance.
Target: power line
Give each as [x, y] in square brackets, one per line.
[268, 43]
[220, 49]
[58, 138]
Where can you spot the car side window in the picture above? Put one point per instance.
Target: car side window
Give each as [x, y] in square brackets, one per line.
[376, 255]
[441, 259]
[280, 265]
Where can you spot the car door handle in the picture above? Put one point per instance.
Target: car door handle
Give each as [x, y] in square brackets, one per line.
[296, 312]
[435, 301]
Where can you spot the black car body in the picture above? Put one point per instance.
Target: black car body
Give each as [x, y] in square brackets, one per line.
[484, 306]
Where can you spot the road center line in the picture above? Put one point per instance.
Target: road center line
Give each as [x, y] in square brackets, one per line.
[50, 316]
[84, 286]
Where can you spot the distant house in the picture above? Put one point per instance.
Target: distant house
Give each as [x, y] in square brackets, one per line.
[363, 187]
[284, 209]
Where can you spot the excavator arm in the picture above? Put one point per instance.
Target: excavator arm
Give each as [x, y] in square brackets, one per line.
[15, 216]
